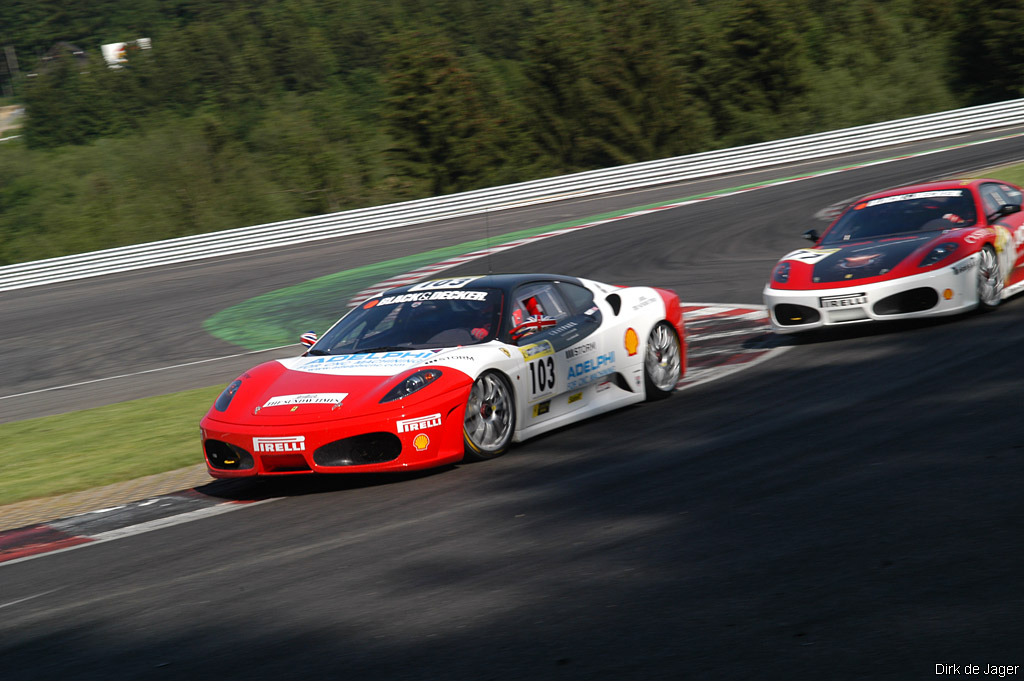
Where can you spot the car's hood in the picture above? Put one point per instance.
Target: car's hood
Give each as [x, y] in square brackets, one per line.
[864, 260]
[832, 265]
[376, 363]
[309, 389]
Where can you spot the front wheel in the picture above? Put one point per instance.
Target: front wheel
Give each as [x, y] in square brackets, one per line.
[662, 361]
[990, 279]
[490, 417]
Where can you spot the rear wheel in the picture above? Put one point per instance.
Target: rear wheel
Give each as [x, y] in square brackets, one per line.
[490, 417]
[990, 279]
[662, 361]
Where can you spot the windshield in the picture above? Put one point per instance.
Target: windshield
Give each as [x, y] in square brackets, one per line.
[416, 320]
[904, 214]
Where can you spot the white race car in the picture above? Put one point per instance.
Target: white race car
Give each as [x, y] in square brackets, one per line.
[428, 374]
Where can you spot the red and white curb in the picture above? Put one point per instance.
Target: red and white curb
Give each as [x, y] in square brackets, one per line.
[724, 339]
[116, 522]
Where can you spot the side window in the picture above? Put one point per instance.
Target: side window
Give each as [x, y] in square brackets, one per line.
[535, 307]
[579, 299]
[995, 196]
[1012, 194]
[558, 313]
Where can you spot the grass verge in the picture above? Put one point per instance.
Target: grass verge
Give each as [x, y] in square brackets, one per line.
[70, 452]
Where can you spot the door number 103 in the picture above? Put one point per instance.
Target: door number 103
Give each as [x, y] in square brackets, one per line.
[542, 375]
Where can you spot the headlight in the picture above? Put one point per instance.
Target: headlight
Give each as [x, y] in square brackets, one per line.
[225, 397]
[781, 272]
[938, 253]
[419, 380]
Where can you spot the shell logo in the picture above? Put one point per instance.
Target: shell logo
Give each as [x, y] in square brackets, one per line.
[421, 442]
[631, 341]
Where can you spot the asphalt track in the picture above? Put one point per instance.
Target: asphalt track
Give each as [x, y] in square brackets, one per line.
[851, 509]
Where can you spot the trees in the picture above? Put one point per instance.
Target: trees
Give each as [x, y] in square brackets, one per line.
[445, 128]
[559, 95]
[646, 106]
[990, 61]
[322, 105]
[755, 73]
[66, 104]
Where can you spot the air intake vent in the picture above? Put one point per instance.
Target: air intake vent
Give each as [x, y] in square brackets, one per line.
[226, 456]
[359, 450]
[787, 314]
[914, 300]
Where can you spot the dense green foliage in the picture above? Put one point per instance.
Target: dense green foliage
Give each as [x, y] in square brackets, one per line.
[251, 112]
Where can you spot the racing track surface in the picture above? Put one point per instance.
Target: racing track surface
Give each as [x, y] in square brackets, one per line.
[850, 509]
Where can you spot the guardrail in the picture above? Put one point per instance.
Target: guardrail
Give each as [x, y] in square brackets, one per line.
[634, 176]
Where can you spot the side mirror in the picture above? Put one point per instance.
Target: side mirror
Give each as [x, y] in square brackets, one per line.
[1004, 210]
[308, 339]
[812, 235]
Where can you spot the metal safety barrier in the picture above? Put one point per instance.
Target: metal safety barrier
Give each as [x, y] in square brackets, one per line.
[590, 183]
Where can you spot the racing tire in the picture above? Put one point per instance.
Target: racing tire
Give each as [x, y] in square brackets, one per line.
[990, 279]
[490, 419]
[662, 361]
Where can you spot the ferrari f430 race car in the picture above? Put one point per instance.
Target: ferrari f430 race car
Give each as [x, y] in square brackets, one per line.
[924, 250]
[428, 374]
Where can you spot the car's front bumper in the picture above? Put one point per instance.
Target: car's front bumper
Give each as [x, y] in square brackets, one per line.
[944, 291]
[424, 436]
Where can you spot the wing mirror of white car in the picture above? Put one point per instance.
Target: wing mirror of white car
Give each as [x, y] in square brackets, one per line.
[812, 235]
[308, 339]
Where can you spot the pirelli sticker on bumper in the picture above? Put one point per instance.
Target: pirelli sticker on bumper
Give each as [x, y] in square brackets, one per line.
[421, 423]
[846, 300]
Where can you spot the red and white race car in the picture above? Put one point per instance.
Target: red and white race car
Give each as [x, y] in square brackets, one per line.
[924, 250]
[428, 374]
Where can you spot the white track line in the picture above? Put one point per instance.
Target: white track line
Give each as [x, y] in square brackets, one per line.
[142, 528]
[140, 373]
